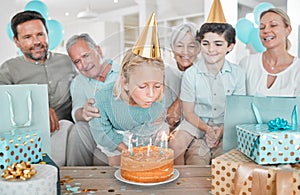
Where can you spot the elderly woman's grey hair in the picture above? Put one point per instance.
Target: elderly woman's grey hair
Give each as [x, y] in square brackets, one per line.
[180, 31]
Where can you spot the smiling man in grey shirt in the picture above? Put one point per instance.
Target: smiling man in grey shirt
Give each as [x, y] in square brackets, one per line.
[37, 65]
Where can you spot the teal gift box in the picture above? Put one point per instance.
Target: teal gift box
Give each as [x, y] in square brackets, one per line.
[20, 145]
[268, 147]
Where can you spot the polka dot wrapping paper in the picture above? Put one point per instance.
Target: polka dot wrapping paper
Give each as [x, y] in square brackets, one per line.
[229, 177]
[43, 183]
[266, 147]
[20, 145]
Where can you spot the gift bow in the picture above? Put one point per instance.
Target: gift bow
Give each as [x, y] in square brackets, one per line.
[279, 124]
[284, 179]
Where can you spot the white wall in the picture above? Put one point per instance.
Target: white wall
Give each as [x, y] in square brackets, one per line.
[7, 47]
[95, 29]
[293, 12]
[109, 33]
[230, 9]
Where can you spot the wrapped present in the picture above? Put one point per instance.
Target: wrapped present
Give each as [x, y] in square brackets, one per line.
[240, 110]
[44, 182]
[26, 107]
[47, 160]
[235, 173]
[265, 146]
[20, 145]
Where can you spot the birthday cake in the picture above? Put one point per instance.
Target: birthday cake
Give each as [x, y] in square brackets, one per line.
[147, 165]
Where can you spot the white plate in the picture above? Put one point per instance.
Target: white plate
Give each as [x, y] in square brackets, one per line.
[120, 178]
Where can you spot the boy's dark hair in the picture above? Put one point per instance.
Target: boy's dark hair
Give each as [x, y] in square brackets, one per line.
[25, 16]
[219, 28]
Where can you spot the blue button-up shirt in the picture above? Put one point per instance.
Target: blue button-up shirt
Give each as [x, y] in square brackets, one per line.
[84, 88]
[208, 91]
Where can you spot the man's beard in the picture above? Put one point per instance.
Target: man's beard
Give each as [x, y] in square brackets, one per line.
[31, 56]
[42, 57]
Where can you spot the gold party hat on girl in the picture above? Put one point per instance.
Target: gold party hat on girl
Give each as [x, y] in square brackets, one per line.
[216, 14]
[148, 44]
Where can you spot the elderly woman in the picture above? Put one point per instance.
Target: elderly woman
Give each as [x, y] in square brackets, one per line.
[274, 72]
[185, 50]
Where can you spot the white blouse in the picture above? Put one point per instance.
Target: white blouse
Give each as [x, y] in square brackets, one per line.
[286, 84]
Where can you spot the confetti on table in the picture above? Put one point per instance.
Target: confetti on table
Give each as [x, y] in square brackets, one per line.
[183, 179]
[74, 190]
[89, 190]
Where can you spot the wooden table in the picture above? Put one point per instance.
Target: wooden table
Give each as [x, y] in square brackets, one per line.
[101, 180]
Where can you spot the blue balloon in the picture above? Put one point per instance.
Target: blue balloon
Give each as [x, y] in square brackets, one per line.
[38, 6]
[259, 9]
[55, 33]
[255, 40]
[19, 52]
[9, 31]
[243, 29]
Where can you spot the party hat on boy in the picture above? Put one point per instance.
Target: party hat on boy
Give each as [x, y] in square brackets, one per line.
[216, 14]
[148, 44]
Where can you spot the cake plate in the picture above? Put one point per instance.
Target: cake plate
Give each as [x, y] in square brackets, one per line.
[120, 178]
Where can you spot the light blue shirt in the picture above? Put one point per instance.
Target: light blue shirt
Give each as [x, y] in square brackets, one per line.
[173, 77]
[83, 88]
[208, 91]
[117, 116]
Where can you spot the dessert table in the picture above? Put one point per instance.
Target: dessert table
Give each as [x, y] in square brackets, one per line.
[192, 180]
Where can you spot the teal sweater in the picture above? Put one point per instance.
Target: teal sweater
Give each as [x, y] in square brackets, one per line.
[117, 115]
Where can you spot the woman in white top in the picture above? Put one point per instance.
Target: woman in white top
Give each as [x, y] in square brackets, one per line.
[274, 72]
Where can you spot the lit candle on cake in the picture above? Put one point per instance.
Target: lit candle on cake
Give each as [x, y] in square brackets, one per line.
[163, 142]
[161, 147]
[149, 147]
[130, 144]
[165, 138]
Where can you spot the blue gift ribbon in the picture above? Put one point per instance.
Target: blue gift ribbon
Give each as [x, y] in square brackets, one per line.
[256, 113]
[279, 124]
[254, 145]
[294, 118]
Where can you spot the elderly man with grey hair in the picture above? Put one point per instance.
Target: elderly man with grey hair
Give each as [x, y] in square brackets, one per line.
[95, 72]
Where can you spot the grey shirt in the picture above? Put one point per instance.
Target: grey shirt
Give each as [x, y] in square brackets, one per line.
[57, 72]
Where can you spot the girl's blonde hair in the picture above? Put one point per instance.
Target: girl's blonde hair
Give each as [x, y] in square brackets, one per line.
[285, 18]
[130, 62]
